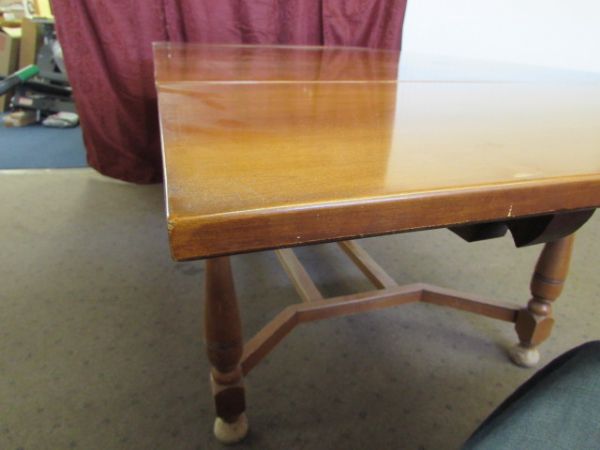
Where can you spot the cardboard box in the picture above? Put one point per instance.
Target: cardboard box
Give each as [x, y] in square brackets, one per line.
[10, 39]
[42, 8]
[9, 50]
[32, 38]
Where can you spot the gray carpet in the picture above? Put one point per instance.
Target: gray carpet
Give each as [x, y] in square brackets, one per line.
[101, 333]
[39, 147]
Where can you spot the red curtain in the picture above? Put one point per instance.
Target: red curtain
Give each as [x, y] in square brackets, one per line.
[108, 54]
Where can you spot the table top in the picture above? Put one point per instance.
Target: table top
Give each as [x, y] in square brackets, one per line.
[269, 146]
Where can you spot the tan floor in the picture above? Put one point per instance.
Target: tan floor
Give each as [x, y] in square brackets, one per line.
[101, 333]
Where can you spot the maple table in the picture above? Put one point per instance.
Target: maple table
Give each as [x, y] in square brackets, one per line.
[271, 147]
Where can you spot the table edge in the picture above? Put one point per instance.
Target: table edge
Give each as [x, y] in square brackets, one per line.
[257, 230]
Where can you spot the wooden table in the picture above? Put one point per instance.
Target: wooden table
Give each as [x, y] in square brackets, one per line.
[276, 147]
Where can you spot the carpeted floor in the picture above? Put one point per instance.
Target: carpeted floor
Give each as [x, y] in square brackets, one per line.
[101, 333]
[39, 147]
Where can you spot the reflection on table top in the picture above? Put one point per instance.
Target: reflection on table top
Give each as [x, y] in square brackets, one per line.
[273, 140]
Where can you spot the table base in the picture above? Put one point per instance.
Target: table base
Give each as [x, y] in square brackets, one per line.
[232, 360]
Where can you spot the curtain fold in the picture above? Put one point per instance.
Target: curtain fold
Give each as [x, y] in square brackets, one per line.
[108, 54]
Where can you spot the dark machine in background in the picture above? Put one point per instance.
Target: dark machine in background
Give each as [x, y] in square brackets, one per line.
[44, 87]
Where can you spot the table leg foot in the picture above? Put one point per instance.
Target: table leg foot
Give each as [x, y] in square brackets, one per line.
[524, 356]
[534, 323]
[231, 433]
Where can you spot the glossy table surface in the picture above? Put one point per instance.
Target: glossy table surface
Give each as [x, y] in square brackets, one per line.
[267, 147]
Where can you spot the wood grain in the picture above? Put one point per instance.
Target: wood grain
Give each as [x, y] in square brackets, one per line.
[534, 323]
[276, 147]
[303, 283]
[224, 342]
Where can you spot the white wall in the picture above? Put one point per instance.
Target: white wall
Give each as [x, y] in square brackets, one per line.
[556, 33]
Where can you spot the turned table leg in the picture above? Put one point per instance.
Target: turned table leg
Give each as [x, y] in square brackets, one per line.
[535, 322]
[224, 345]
